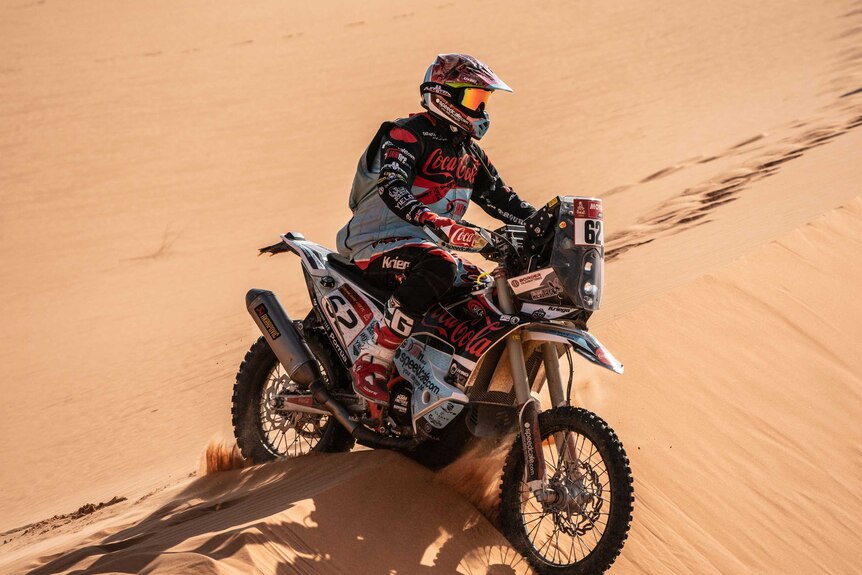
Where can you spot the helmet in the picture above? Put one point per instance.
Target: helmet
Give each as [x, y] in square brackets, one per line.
[456, 89]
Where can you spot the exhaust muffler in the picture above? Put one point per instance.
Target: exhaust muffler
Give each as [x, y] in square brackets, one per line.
[281, 335]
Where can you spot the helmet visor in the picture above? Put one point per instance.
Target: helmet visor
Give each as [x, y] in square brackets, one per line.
[472, 98]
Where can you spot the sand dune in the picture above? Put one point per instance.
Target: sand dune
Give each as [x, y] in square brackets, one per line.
[281, 518]
[735, 447]
[146, 151]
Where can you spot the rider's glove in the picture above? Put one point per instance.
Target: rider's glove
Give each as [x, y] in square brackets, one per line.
[457, 236]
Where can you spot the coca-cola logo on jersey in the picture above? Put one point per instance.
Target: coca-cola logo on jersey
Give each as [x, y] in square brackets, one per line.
[462, 167]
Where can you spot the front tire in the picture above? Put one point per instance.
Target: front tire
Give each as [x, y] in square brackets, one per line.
[263, 434]
[585, 530]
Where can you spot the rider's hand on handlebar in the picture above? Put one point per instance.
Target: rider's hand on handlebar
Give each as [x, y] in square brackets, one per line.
[457, 236]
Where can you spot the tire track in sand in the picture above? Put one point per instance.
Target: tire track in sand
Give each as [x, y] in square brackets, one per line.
[691, 206]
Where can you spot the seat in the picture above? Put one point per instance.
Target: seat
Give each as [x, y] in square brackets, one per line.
[352, 272]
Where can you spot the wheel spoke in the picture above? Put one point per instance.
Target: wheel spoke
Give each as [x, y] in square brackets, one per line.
[287, 435]
[558, 532]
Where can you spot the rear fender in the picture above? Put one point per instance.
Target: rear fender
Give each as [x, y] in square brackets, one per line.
[581, 341]
[313, 255]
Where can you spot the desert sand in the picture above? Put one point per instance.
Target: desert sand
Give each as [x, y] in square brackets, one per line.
[147, 149]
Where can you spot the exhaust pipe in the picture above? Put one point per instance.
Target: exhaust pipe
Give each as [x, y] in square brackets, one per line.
[293, 353]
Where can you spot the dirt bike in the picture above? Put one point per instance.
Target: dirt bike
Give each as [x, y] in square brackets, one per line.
[474, 366]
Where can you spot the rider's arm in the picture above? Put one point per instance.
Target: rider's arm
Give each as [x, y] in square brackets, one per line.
[398, 152]
[496, 198]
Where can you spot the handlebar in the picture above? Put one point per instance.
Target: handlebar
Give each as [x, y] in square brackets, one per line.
[442, 240]
[503, 246]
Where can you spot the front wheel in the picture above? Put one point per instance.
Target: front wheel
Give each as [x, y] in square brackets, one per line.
[588, 475]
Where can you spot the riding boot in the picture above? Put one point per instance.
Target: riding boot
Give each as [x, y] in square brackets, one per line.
[372, 368]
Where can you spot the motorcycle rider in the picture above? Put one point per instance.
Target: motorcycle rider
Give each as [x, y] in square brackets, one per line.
[423, 171]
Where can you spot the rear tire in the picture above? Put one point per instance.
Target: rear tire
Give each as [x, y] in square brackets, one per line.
[585, 535]
[263, 435]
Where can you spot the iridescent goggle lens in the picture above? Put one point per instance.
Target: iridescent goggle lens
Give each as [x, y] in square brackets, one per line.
[472, 98]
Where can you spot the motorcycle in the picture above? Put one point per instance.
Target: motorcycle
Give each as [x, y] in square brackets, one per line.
[474, 366]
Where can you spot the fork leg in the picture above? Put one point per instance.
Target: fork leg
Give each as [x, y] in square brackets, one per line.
[565, 442]
[552, 373]
[531, 437]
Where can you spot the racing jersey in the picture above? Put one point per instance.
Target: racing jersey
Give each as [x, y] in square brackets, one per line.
[414, 165]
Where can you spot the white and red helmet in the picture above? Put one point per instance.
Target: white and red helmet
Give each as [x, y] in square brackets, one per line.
[456, 89]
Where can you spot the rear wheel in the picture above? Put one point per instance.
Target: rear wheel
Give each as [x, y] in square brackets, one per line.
[265, 432]
[584, 529]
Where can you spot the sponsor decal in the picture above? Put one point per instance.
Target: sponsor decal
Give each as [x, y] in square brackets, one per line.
[588, 223]
[434, 136]
[395, 167]
[347, 312]
[391, 263]
[458, 374]
[359, 304]
[453, 114]
[442, 415]
[415, 367]
[538, 311]
[396, 193]
[509, 217]
[463, 167]
[398, 321]
[438, 90]
[364, 336]
[398, 154]
[476, 308]
[529, 452]
[531, 441]
[552, 289]
[392, 150]
[530, 281]
[415, 349]
[472, 337]
[402, 135]
[463, 237]
[330, 334]
[263, 314]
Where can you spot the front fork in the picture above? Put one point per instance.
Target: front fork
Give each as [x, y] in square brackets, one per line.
[531, 437]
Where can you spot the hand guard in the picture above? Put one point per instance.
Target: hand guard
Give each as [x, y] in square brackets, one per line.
[457, 236]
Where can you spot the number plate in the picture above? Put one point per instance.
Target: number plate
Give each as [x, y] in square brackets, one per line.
[588, 223]
[349, 312]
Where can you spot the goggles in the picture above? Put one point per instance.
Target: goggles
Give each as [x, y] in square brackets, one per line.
[472, 98]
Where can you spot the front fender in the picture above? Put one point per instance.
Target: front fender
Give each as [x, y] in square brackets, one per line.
[581, 341]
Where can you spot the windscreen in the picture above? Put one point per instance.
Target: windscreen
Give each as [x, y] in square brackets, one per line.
[578, 253]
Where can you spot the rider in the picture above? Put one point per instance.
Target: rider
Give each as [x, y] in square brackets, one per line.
[423, 171]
